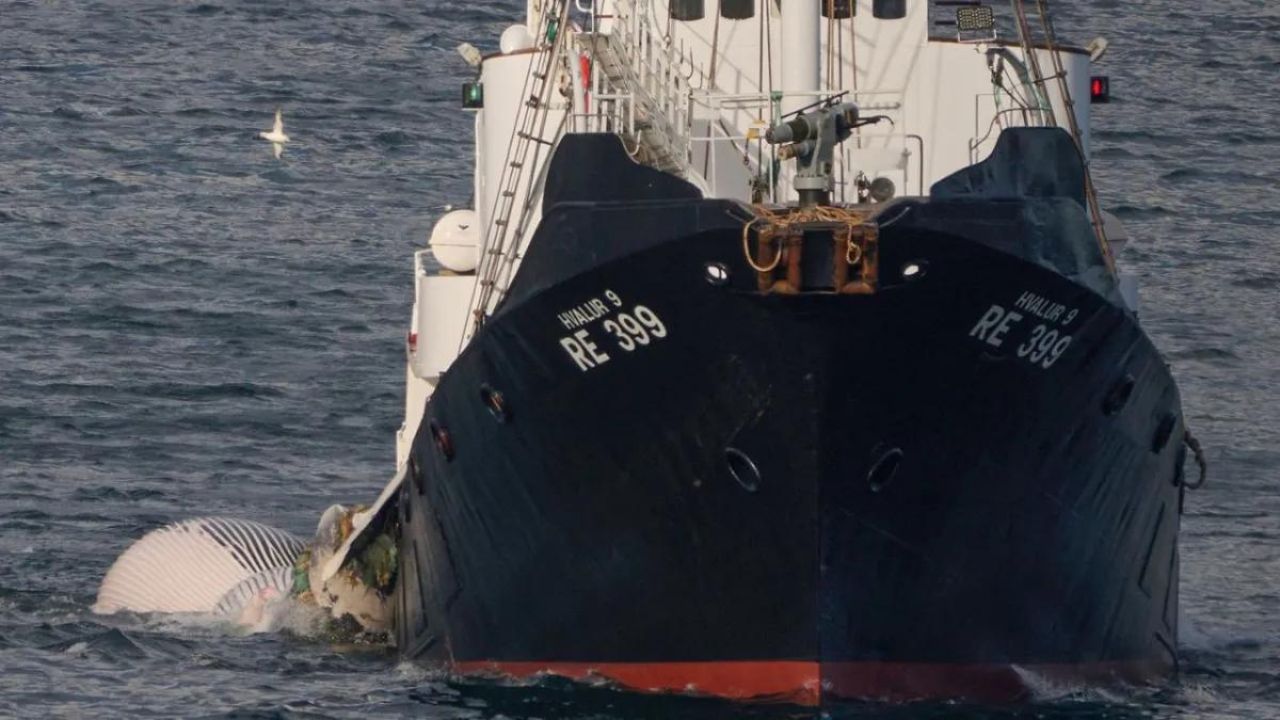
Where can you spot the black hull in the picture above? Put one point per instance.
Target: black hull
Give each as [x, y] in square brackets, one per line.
[797, 496]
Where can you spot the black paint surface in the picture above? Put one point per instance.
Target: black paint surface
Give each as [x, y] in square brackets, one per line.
[1025, 524]
[187, 327]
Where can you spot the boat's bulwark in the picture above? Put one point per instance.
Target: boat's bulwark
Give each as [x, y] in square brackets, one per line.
[916, 493]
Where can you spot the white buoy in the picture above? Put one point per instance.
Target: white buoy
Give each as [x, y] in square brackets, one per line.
[1097, 48]
[470, 54]
[455, 241]
[515, 39]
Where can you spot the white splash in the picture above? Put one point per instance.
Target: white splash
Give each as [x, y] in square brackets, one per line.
[1046, 689]
[276, 135]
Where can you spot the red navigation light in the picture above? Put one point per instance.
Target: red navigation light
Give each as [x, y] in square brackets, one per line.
[1100, 89]
[413, 342]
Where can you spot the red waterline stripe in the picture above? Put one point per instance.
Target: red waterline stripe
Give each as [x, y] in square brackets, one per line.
[792, 681]
[992, 682]
[807, 682]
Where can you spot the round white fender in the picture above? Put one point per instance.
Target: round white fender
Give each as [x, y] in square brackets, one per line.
[200, 565]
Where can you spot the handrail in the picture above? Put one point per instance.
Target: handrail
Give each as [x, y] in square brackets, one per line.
[659, 76]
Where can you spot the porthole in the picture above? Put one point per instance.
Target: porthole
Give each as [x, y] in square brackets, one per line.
[415, 477]
[1180, 471]
[743, 469]
[716, 273]
[406, 506]
[496, 403]
[1119, 395]
[443, 441]
[884, 468]
[1164, 431]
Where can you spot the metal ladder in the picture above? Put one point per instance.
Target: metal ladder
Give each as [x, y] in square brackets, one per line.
[502, 237]
[1033, 61]
[1090, 192]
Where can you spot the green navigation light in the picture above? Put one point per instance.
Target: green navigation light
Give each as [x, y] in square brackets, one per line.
[472, 96]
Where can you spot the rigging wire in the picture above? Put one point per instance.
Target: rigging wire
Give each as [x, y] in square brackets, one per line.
[764, 10]
[853, 53]
[767, 7]
[715, 47]
[711, 86]
[831, 11]
[834, 57]
[1033, 61]
[769, 40]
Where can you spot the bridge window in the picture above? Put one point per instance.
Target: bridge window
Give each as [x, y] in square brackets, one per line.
[737, 9]
[688, 9]
[889, 9]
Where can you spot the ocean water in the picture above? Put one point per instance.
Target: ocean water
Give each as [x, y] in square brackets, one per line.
[190, 327]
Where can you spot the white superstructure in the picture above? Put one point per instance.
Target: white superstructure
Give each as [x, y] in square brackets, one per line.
[690, 85]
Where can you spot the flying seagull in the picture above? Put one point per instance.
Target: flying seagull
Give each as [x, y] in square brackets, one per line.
[276, 137]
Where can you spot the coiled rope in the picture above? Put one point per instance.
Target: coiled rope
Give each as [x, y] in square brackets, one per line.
[1194, 445]
[773, 224]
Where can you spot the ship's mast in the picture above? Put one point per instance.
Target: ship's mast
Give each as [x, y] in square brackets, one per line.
[801, 53]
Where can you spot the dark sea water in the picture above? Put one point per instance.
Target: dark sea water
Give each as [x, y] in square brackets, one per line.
[189, 327]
